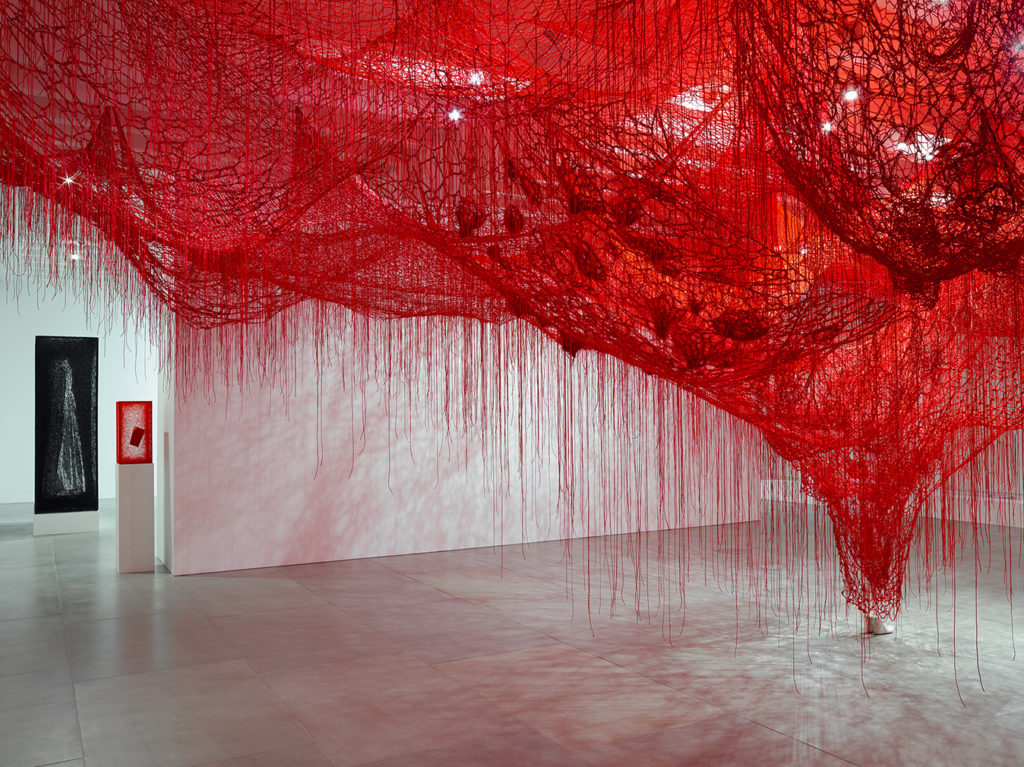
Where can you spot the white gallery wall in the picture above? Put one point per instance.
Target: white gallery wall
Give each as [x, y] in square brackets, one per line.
[128, 370]
[338, 468]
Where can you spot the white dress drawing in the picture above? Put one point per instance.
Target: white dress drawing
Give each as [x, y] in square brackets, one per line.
[67, 474]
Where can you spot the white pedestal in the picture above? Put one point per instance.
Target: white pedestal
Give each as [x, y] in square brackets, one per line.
[63, 522]
[135, 552]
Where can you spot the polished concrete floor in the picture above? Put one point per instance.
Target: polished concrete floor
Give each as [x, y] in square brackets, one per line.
[480, 657]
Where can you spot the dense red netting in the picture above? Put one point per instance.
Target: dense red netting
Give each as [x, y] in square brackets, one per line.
[806, 212]
[899, 124]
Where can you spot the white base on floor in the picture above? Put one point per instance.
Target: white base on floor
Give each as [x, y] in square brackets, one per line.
[135, 521]
[63, 522]
[878, 627]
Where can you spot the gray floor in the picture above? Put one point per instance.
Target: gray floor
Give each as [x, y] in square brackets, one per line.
[479, 658]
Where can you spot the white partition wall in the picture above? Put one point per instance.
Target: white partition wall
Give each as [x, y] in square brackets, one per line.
[341, 469]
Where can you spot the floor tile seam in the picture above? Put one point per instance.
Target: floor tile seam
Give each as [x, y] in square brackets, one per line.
[485, 607]
[69, 622]
[470, 567]
[675, 645]
[341, 581]
[6, 622]
[795, 739]
[540, 631]
[987, 657]
[466, 689]
[299, 577]
[579, 752]
[415, 653]
[1004, 720]
[259, 753]
[139, 589]
[395, 568]
[291, 713]
[508, 585]
[384, 638]
[505, 617]
[184, 667]
[228, 616]
[1005, 664]
[920, 698]
[433, 749]
[305, 588]
[439, 665]
[37, 562]
[222, 635]
[159, 669]
[954, 706]
[57, 577]
[956, 674]
[593, 655]
[977, 668]
[695, 695]
[941, 637]
[439, 589]
[409, 601]
[29, 673]
[914, 701]
[211, 615]
[284, 707]
[34, 565]
[74, 691]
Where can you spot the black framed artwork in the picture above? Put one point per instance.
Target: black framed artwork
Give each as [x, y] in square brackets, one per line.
[67, 389]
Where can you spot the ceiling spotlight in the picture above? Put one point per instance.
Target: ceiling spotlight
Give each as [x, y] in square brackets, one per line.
[476, 78]
[827, 126]
[455, 115]
[852, 94]
[68, 179]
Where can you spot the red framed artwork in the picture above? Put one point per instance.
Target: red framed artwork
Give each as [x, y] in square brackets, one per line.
[135, 432]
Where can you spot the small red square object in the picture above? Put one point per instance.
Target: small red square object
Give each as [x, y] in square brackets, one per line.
[135, 432]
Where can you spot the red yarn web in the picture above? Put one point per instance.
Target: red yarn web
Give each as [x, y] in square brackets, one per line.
[806, 212]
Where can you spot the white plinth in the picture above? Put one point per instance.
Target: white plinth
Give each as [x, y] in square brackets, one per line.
[135, 553]
[63, 522]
